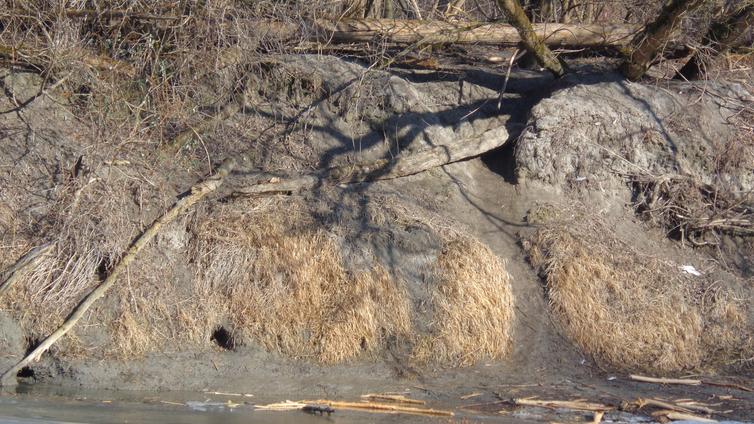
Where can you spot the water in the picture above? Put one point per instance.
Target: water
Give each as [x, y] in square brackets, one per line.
[42, 405]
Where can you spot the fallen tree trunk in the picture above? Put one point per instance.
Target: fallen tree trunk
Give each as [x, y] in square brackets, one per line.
[197, 192]
[383, 169]
[415, 31]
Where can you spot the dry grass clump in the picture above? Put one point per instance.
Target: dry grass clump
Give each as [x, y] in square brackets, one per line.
[471, 306]
[633, 311]
[286, 287]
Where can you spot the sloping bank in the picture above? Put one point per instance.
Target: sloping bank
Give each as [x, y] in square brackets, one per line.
[357, 273]
[332, 275]
[680, 158]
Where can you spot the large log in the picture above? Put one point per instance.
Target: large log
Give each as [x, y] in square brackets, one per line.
[382, 169]
[416, 31]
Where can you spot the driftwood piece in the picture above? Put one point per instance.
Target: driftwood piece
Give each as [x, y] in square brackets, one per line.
[381, 407]
[682, 416]
[12, 274]
[197, 192]
[416, 31]
[389, 397]
[644, 379]
[641, 403]
[578, 405]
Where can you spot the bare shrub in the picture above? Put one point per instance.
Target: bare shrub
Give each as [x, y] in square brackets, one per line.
[631, 311]
[693, 211]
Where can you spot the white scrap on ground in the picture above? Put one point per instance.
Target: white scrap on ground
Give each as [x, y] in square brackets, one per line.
[689, 269]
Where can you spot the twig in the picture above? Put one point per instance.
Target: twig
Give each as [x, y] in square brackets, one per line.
[645, 379]
[667, 405]
[578, 405]
[382, 407]
[392, 398]
[728, 385]
[197, 192]
[682, 416]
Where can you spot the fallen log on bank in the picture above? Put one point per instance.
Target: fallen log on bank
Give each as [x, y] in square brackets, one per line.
[416, 31]
[383, 169]
[197, 192]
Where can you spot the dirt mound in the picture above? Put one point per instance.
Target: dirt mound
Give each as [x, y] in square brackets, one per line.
[636, 311]
[596, 134]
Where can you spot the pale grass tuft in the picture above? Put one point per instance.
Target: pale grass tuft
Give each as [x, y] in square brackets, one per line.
[286, 287]
[635, 312]
[471, 306]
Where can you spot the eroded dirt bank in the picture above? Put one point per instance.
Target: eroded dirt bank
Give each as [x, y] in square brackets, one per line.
[557, 260]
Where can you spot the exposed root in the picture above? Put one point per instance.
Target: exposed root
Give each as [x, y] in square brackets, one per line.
[696, 212]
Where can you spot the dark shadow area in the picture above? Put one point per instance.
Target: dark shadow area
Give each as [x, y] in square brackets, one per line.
[503, 162]
[26, 372]
[223, 338]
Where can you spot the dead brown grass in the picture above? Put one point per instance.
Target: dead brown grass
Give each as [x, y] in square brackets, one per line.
[264, 270]
[635, 311]
[471, 306]
[286, 287]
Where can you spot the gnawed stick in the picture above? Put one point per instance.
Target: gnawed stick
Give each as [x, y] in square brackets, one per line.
[686, 408]
[578, 405]
[381, 407]
[197, 192]
[682, 416]
[12, 274]
[644, 379]
[390, 397]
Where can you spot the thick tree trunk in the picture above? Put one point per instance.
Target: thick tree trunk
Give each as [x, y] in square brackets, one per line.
[647, 45]
[414, 31]
[529, 38]
[720, 39]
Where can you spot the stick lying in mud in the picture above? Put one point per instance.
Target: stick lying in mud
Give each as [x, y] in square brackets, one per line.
[689, 382]
[12, 274]
[578, 405]
[390, 397]
[197, 192]
[381, 407]
[643, 379]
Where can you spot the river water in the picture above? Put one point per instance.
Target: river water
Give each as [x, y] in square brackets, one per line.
[42, 405]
